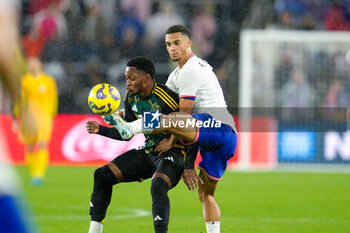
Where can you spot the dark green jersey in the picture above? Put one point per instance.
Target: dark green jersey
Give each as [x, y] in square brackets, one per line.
[165, 101]
[162, 99]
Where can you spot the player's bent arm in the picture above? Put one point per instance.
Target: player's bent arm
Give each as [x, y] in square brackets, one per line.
[186, 105]
[191, 155]
[190, 176]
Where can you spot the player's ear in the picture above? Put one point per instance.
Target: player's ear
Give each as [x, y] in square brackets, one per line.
[189, 43]
[148, 76]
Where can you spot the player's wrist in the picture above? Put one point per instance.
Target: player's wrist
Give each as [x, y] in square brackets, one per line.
[189, 170]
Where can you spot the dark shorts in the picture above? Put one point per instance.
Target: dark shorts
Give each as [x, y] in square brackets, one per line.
[136, 165]
[217, 146]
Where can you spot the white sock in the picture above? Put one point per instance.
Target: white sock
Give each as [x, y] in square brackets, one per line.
[136, 125]
[213, 226]
[95, 227]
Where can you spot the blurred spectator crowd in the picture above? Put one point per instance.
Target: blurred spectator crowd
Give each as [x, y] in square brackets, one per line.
[85, 42]
[332, 15]
[309, 79]
[313, 83]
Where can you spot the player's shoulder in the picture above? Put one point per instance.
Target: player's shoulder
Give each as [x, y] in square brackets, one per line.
[158, 87]
[27, 78]
[173, 73]
[196, 63]
[48, 77]
[166, 96]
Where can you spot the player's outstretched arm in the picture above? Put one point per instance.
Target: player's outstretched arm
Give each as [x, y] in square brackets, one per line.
[93, 127]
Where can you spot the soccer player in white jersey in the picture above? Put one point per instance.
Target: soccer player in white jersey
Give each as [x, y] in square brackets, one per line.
[216, 135]
[199, 90]
[12, 217]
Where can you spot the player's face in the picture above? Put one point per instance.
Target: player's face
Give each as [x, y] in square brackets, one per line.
[135, 80]
[178, 46]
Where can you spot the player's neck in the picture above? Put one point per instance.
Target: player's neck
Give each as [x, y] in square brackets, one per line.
[182, 63]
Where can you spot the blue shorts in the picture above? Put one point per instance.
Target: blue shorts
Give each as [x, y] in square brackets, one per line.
[216, 144]
[11, 217]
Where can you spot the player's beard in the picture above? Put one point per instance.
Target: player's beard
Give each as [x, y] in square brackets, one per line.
[176, 59]
[131, 91]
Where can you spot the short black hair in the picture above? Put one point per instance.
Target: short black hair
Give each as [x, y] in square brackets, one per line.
[144, 64]
[179, 28]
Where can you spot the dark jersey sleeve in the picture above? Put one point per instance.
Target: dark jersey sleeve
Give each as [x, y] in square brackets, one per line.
[191, 155]
[109, 132]
[167, 99]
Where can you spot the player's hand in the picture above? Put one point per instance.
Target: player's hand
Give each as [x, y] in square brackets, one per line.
[92, 127]
[164, 145]
[191, 179]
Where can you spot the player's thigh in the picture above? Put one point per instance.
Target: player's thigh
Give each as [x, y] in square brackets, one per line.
[214, 162]
[171, 165]
[134, 165]
[214, 135]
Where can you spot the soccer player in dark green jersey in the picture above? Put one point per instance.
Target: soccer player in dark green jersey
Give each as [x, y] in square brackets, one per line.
[143, 95]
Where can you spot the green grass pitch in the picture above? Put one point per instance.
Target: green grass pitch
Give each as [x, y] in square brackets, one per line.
[254, 202]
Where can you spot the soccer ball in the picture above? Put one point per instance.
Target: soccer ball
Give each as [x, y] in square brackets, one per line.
[104, 99]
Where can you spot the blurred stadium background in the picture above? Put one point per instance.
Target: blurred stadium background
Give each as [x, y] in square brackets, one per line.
[284, 66]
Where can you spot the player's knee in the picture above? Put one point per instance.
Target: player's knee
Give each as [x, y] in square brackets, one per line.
[201, 196]
[104, 175]
[159, 188]
[204, 196]
[98, 174]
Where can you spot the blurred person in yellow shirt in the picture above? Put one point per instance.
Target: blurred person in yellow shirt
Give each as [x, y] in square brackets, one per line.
[40, 92]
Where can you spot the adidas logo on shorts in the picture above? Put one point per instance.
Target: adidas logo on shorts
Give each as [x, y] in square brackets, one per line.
[170, 158]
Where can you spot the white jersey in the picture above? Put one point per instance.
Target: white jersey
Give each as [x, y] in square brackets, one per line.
[197, 81]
